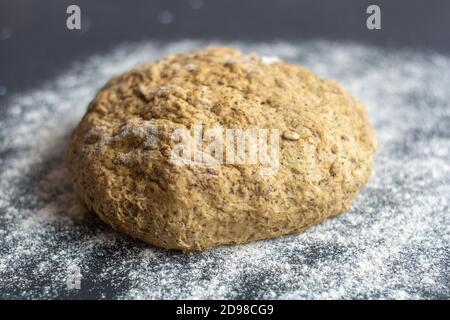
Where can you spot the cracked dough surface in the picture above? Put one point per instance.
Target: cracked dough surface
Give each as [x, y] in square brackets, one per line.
[121, 167]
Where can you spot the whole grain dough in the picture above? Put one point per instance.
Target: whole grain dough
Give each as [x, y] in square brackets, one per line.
[121, 154]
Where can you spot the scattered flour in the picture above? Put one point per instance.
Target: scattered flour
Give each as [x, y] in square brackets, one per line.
[394, 242]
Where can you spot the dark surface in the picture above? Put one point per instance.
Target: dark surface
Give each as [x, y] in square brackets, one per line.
[39, 46]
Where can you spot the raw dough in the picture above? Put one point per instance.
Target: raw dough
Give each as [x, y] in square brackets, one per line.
[121, 163]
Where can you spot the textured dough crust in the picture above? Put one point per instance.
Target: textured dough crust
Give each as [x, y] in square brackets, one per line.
[120, 165]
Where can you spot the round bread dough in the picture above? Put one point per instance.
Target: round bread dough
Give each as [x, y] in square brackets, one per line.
[121, 154]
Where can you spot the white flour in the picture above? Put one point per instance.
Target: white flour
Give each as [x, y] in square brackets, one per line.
[393, 243]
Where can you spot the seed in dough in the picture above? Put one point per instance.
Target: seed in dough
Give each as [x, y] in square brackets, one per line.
[291, 135]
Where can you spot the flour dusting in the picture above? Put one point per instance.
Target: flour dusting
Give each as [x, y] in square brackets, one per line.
[393, 243]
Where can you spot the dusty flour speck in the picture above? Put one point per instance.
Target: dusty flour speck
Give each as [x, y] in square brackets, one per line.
[393, 243]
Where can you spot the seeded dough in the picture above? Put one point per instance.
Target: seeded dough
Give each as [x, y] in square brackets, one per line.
[120, 153]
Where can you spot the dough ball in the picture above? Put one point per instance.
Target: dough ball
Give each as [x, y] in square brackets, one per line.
[146, 156]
